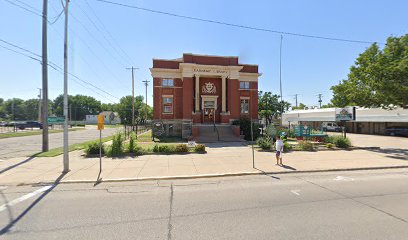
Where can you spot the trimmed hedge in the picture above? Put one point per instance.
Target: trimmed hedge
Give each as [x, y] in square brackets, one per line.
[180, 148]
[199, 148]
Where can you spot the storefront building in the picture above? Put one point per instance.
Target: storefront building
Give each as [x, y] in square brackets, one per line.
[201, 90]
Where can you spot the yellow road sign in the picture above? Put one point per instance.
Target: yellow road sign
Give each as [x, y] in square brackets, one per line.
[101, 122]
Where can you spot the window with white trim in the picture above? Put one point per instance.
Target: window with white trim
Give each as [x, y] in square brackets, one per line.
[168, 83]
[167, 104]
[243, 85]
[245, 106]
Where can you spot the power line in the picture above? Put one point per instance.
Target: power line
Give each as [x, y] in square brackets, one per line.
[51, 64]
[236, 25]
[95, 38]
[51, 24]
[107, 31]
[114, 47]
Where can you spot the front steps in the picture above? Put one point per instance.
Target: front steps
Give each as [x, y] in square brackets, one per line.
[208, 134]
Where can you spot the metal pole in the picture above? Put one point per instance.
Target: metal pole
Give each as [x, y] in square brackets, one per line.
[66, 156]
[39, 105]
[100, 152]
[44, 109]
[133, 98]
[280, 77]
[146, 83]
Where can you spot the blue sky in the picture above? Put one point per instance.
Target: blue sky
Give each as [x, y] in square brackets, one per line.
[309, 66]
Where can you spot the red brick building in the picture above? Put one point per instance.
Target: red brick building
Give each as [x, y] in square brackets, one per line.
[200, 90]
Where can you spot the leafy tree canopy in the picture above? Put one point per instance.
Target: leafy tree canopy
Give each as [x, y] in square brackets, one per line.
[379, 77]
[270, 106]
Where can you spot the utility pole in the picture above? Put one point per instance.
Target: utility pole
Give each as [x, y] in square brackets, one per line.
[39, 106]
[133, 95]
[146, 83]
[320, 100]
[66, 156]
[44, 109]
[296, 99]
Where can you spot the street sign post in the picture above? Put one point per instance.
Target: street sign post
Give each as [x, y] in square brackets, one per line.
[101, 126]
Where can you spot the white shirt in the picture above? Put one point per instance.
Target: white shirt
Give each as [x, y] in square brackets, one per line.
[279, 145]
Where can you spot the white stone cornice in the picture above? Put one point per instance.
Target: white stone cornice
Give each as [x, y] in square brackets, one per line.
[249, 77]
[165, 73]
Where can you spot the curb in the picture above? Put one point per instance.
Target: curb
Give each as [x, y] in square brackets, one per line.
[211, 175]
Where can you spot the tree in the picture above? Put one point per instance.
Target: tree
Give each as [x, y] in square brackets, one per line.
[124, 108]
[378, 77]
[300, 107]
[270, 106]
[79, 105]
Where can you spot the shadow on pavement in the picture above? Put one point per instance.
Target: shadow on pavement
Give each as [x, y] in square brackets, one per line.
[16, 165]
[267, 174]
[395, 153]
[12, 222]
[288, 167]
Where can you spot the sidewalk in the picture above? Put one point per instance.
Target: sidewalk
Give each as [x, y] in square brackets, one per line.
[220, 159]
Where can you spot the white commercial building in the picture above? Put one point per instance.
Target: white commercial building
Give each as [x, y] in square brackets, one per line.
[367, 120]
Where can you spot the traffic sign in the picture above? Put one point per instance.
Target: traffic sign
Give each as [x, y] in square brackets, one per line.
[101, 122]
[55, 119]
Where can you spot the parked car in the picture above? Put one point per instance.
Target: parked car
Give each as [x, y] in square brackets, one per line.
[3, 124]
[397, 131]
[331, 127]
[29, 124]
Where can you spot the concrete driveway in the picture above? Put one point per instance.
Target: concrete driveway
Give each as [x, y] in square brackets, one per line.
[28, 145]
[384, 142]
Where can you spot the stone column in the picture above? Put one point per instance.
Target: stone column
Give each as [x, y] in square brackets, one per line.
[224, 94]
[197, 93]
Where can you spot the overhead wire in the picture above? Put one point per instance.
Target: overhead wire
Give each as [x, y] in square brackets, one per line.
[51, 24]
[235, 25]
[107, 31]
[51, 64]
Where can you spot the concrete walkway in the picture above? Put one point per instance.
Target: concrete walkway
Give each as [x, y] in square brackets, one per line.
[220, 159]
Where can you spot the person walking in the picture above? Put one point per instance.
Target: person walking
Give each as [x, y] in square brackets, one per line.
[279, 150]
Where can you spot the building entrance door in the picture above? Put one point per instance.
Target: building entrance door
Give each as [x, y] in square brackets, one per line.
[209, 112]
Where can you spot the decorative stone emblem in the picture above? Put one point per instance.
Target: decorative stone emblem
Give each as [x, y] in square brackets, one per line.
[209, 88]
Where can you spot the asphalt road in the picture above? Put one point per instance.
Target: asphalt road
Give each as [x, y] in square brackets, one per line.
[337, 205]
[29, 145]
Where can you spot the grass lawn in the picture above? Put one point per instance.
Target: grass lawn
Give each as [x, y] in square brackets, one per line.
[34, 132]
[58, 151]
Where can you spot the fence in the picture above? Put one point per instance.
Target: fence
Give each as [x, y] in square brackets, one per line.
[137, 129]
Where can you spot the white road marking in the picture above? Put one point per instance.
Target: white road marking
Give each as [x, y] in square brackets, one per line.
[295, 191]
[25, 197]
[341, 178]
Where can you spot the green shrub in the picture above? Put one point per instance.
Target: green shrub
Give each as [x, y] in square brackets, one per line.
[132, 145]
[117, 147]
[181, 148]
[305, 145]
[156, 148]
[164, 148]
[329, 145]
[287, 146]
[199, 148]
[93, 148]
[264, 143]
[341, 142]
[245, 127]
